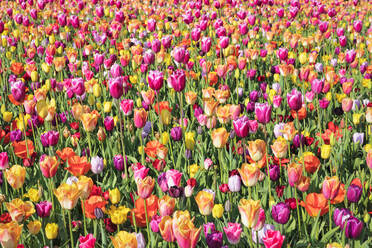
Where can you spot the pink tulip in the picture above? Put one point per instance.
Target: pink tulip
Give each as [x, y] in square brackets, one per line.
[358, 25]
[195, 34]
[273, 239]
[252, 19]
[139, 171]
[173, 177]
[149, 57]
[233, 232]
[127, 106]
[350, 56]
[253, 126]
[323, 26]
[282, 53]
[347, 104]
[340, 31]
[116, 70]
[178, 54]
[18, 90]
[277, 101]
[280, 13]
[88, 241]
[178, 80]
[263, 112]
[206, 44]
[151, 25]
[156, 45]
[78, 87]
[116, 87]
[166, 41]
[294, 99]
[317, 86]
[100, 11]
[243, 28]
[224, 42]
[241, 14]
[4, 161]
[241, 126]
[155, 80]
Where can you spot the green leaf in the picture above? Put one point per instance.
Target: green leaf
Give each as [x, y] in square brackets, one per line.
[329, 234]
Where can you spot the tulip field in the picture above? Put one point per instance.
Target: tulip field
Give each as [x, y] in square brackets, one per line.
[185, 123]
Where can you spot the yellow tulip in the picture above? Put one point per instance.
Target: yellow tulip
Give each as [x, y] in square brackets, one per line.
[51, 230]
[325, 151]
[114, 195]
[97, 90]
[107, 107]
[34, 227]
[7, 116]
[33, 194]
[189, 140]
[217, 211]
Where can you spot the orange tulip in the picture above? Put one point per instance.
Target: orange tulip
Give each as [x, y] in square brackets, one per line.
[330, 188]
[249, 212]
[222, 95]
[219, 137]
[250, 174]
[89, 121]
[315, 204]
[340, 195]
[166, 228]
[208, 93]
[49, 166]
[145, 187]
[77, 111]
[59, 63]
[294, 173]
[78, 165]
[156, 149]
[67, 195]
[289, 131]
[209, 107]
[16, 176]
[20, 148]
[311, 162]
[66, 153]
[148, 96]
[205, 201]
[20, 210]
[93, 202]
[10, 234]
[17, 68]
[303, 184]
[256, 149]
[223, 114]
[166, 205]
[301, 113]
[279, 147]
[191, 97]
[139, 210]
[162, 106]
[140, 117]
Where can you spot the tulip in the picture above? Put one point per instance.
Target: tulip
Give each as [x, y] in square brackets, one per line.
[316, 86]
[19, 210]
[282, 53]
[16, 176]
[214, 239]
[281, 213]
[178, 80]
[97, 165]
[279, 148]
[87, 241]
[4, 161]
[114, 196]
[249, 174]
[330, 188]
[358, 25]
[294, 99]
[51, 230]
[358, 138]
[109, 123]
[350, 56]
[48, 166]
[249, 212]
[325, 151]
[257, 149]
[140, 117]
[145, 187]
[233, 232]
[354, 192]
[119, 162]
[116, 87]
[176, 133]
[273, 239]
[205, 201]
[224, 42]
[34, 227]
[206, 43]
[166, 229]
[234, 183]
[178, 54]
[43, 209]
[18, 90]
[347, 104]
[263, 112]
[155, 79]
[184, 230]
[68, 195]
[354, 227]
[166, 205]
[241, 126]
[10, 234]
[124, 239]
[219, 137]
[294, 173]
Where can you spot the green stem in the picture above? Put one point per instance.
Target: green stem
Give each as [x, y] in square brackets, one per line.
[70, 225]
[330, 215]
[147, 222]
[298, 212]
[90, 145]
[84, 218]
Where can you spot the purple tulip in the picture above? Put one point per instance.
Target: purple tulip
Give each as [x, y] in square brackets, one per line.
[214, 240]
[18, 90]
[354, 228]
[15, 135]
[294, 99]
[178, 80]
[263, 112]
[209, 228]
[109, 123]
[253, 95]
[358, 138]
[323, 103]
[176, 192]
[340, 215]
[155, 80]
[43, 209]
[281, 213]
[62, 20]
[119, 162]
[274, 172]
[162, 181]
[354, 192]
[299, 140]
[176, 133]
